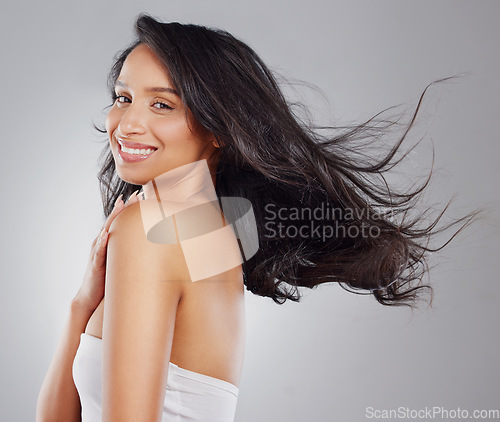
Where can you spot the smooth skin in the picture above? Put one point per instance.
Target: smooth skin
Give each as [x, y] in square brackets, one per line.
[153, 313]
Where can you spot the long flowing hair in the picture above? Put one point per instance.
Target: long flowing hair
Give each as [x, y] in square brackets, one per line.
[284, 164]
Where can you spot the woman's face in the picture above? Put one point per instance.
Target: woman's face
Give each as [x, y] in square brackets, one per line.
[149, 117]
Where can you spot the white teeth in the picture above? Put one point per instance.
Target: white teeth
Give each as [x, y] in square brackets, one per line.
[136, 151]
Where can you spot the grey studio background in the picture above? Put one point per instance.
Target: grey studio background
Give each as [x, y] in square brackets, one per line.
[335, 354]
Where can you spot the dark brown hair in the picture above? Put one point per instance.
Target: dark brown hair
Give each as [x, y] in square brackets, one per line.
[278, 161]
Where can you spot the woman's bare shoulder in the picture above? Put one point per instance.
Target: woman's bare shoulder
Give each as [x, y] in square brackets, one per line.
[128, 237]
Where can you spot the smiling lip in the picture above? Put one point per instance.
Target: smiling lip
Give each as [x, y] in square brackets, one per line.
[134, 145]
[133, 158]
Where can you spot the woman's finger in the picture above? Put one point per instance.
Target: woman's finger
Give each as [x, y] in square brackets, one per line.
[100, 250]
[132, 198]
[119, 206]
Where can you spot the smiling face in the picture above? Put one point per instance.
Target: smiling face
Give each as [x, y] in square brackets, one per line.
[147, 127]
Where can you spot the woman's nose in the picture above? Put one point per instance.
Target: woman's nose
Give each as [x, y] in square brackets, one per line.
[132, 121]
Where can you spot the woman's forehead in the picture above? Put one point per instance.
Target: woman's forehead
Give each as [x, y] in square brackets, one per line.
[142, 64]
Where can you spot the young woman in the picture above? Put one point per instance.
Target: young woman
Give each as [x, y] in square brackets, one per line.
[156, 331]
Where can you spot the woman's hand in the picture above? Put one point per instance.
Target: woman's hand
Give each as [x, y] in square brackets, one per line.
[91, 291]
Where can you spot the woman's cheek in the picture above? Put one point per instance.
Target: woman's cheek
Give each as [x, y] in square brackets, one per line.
[112, 121]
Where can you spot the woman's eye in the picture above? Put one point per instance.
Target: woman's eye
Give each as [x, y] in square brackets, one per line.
[162, 106]
[121, 99]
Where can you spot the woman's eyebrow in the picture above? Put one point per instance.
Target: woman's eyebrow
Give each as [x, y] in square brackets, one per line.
[151, 89]
[161, 89]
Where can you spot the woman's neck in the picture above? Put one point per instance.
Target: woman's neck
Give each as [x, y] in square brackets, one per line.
[190, 184]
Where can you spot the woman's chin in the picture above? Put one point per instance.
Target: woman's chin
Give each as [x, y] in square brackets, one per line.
[132, 179]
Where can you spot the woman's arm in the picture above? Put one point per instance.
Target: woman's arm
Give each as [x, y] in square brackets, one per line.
[143, 289]
[58, 399]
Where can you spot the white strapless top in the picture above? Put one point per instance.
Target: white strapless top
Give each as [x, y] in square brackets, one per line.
[189, 396]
